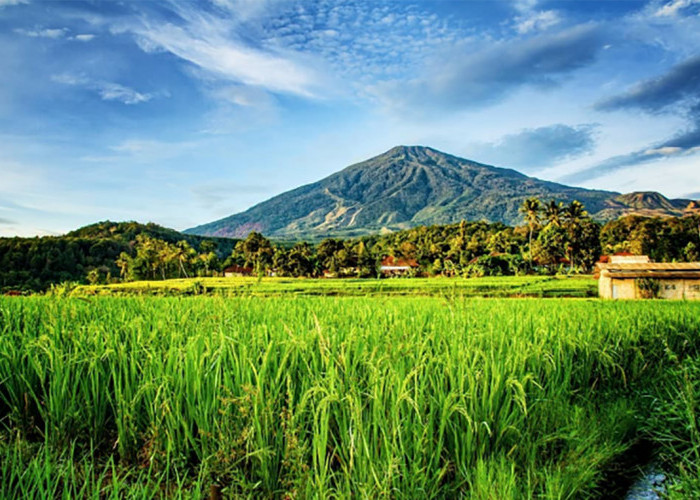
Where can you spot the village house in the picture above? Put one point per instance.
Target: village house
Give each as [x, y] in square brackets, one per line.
[391, 266]
[237, 271]
[636, 277]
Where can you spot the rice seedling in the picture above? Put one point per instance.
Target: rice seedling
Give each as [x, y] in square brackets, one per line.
[336, 397]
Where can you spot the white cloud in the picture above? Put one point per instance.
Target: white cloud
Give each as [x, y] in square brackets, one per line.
[245, 10]
[44, 33]
[116, 92]
[108, 91]
[7, 3]
[673, 176]
[55, 33]
[206, 42]
[672, 9]
[536, 21]
[671, 151]
[244, 96]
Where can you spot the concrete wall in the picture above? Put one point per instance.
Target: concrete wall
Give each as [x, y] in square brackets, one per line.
[680, 289]
[673, 289]
[623, 289]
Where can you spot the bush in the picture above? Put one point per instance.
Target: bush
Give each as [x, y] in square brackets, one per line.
[649, 288]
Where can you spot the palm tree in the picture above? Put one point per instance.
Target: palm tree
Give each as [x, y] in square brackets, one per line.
[531, 209]
[182, 252]
[574, 214]
[553, 211]
[122, 263]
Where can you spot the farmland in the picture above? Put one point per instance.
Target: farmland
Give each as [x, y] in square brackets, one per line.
[334, 397]
[498, 286]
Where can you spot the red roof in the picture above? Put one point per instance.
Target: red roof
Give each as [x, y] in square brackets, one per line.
[239, 269]
[392, 261]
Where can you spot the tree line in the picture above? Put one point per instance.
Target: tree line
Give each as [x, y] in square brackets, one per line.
[554, 238]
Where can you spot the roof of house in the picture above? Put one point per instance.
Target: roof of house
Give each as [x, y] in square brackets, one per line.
[238, 269]
[651, 270]
[620, 256]
[392, 261]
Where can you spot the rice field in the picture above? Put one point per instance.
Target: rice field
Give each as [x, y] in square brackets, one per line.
[498, 286]
[339, 397]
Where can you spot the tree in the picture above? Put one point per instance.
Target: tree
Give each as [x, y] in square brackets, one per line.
[327, 254]
[531, 210]
[574, 216]
[550, 245]
[553, 212]
[123, 262]
[255, 251]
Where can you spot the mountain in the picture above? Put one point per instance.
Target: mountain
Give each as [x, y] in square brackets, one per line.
[413, 185]
[645, 203]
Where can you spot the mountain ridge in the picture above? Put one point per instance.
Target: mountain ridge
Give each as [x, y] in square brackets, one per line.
[417, 185]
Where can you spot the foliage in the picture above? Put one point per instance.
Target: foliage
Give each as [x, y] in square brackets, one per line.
[649, 288]
[557, 238]
[663, 239]
[99, 253]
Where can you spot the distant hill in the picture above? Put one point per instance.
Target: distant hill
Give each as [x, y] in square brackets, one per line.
[36, 263]
[412, 185]
[127, 232]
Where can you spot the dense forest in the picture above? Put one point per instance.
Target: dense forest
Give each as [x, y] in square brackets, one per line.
[554, 238]
[90, 254]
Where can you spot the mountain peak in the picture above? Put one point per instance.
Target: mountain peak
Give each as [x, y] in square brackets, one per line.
[409, 186]
[412, 151]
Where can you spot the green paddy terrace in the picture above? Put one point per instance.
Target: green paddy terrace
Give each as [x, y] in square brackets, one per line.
[501, 286]
[345, 397]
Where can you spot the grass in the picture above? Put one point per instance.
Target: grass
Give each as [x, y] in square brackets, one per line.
[336, 397]
[502, 286]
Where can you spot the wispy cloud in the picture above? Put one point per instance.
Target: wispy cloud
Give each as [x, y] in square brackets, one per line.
[537, 147]
[108, 91]
[7, 3]
[677, 91]
[55, 33]
[244, 10]
[673, 8]
[530, 18]
[43, 33]
[472, 79]
[536, 21]
[206, 42]
[681, 84]
[631, 160]
[364, 41]
[85, 37]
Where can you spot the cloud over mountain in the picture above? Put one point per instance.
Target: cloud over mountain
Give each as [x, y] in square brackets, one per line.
[536, 147]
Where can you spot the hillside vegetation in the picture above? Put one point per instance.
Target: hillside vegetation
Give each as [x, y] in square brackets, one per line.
[411, 186]
[36, 263]
[556, 239]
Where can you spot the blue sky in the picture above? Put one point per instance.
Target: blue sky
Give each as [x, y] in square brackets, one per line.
[184, 112]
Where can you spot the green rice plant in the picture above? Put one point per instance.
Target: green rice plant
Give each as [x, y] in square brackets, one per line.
[335, 397]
